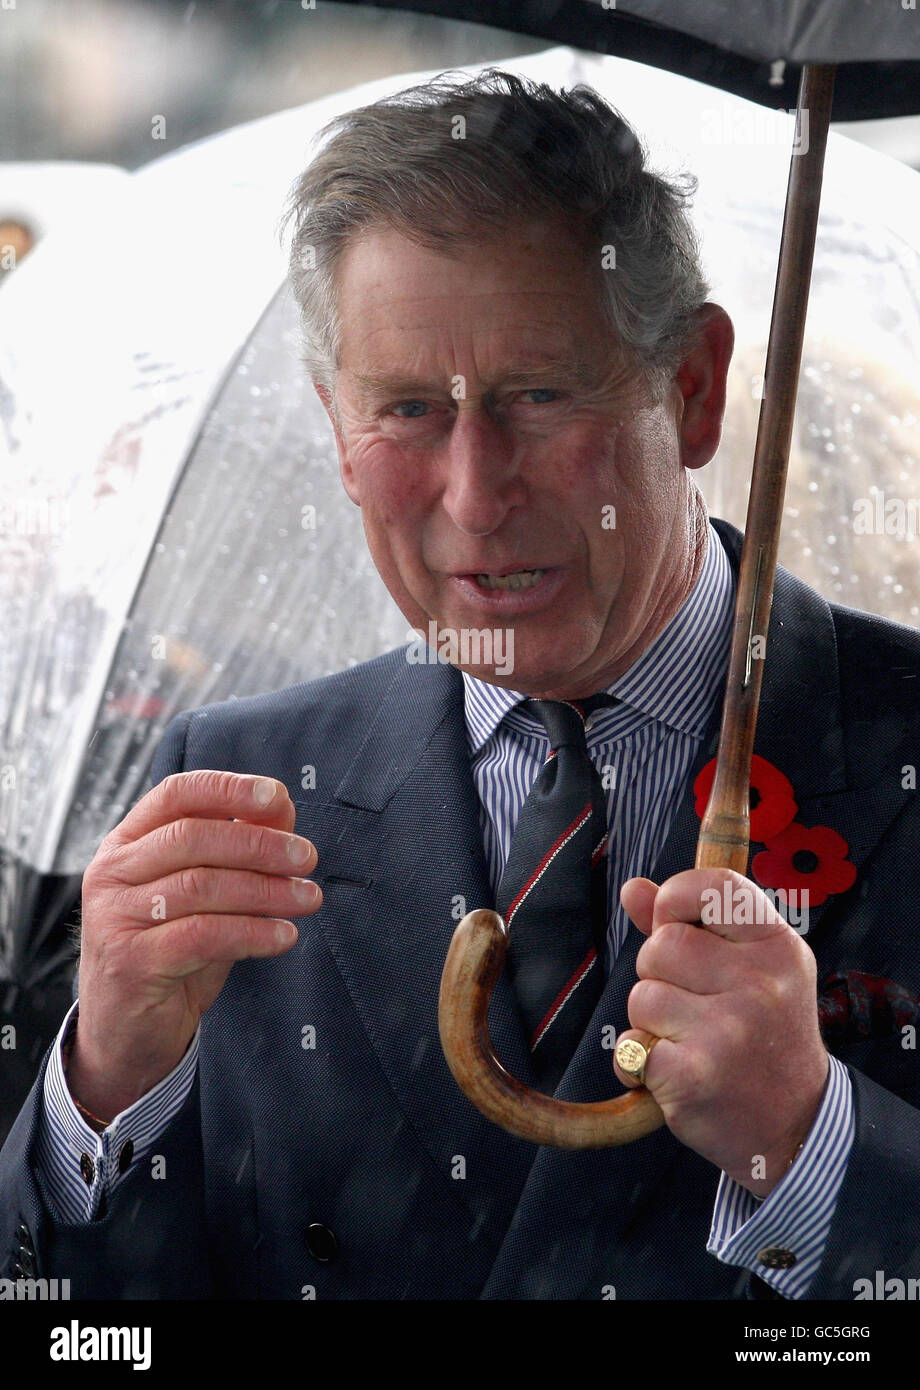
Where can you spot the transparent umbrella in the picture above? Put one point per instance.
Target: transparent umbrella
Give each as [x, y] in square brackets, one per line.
[175, 531]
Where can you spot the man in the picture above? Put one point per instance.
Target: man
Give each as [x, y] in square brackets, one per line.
[506, 322]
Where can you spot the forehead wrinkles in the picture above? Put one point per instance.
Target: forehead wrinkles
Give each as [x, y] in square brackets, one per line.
[397, 356]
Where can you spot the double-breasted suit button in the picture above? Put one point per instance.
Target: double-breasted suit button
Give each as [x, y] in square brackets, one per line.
[23, 1234]
[321, 1242]
[27, 1261]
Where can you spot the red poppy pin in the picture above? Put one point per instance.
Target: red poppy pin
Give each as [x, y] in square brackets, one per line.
[794, 856]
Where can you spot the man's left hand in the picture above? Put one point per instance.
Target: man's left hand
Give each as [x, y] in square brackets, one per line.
[740, 1067]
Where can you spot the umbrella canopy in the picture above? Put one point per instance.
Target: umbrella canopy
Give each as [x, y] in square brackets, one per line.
[755, 50]
[177, 532]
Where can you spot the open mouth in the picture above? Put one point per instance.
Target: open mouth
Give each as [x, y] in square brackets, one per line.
[518, 579]
[515, 592]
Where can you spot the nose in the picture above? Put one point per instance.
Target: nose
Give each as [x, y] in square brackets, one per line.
[483, 482]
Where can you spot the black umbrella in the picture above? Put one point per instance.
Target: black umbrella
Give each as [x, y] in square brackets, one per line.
[756, 50]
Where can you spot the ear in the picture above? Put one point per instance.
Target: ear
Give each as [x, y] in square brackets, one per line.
[345, 469]
[701, 381]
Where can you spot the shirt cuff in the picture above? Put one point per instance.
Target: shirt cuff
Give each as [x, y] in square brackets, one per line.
[78, 1169]
[795, 1219]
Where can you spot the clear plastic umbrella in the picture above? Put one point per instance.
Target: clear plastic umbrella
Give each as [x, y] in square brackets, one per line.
[174, 529]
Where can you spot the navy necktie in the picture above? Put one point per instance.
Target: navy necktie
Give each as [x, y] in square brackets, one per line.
[553, 891]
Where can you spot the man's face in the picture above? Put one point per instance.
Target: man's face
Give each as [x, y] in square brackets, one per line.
[489, 424]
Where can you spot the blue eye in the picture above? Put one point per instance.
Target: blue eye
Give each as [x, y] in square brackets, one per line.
[415, 415]
[545, 392]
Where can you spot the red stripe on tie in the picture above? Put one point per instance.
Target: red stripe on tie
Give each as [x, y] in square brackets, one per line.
[581, 819]
[599, 852]
[562, 998]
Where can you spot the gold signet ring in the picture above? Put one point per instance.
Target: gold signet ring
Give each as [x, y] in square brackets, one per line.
[632, 1056]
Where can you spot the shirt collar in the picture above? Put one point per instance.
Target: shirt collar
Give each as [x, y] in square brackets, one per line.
[675, 681]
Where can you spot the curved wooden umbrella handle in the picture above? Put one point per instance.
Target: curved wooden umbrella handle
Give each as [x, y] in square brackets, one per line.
[474, 962]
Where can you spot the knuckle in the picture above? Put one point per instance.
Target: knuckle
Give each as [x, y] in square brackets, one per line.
[771, 992]
[646, 994]
[171, 835]
[658, 950]
[196, 882]
[261, 844]
[195, 928]
[172, 786]
[198, 782]
[735, 1033]
[107, 863]
[694, 1070]
[273, 892]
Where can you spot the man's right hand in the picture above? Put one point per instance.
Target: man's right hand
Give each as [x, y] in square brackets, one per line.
[197, 875]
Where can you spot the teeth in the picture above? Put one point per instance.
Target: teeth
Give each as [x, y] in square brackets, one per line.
[521, 579]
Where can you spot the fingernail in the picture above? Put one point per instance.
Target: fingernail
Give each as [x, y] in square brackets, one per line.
[304, 891]
[263, 791]
[298, 850]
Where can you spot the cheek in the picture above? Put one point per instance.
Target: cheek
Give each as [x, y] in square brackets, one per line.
[389, 481]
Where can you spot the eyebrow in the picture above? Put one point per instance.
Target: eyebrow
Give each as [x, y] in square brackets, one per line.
[567, 370]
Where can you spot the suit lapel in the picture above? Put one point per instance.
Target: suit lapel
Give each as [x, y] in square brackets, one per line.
[401, 862]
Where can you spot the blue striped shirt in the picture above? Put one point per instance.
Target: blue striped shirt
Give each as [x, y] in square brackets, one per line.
[644, 748]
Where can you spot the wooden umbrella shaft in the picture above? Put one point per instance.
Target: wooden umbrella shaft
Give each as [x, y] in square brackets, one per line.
[725, 829]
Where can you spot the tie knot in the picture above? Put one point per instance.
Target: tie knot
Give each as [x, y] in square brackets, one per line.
[564, 720]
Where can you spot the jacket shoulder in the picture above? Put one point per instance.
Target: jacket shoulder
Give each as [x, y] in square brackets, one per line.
[280, 729]
[879, 662]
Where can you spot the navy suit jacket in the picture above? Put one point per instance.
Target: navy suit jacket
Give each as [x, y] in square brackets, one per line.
[362, 1133]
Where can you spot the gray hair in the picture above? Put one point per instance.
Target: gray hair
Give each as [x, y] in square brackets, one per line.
[449, 162]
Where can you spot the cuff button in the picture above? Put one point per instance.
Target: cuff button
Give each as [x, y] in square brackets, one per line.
[776, 1257]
